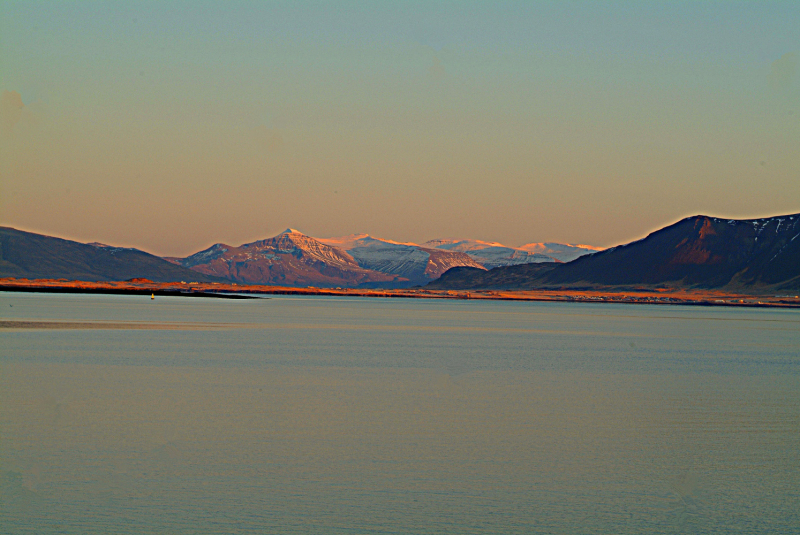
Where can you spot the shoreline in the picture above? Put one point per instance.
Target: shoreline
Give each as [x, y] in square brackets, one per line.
[121, 291]
[660, 296]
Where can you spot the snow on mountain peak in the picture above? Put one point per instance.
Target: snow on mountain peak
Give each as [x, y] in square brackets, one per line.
[361, 240]
[561, 251]
[453, 244]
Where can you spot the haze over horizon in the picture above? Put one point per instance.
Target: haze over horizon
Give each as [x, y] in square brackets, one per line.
[169, 127]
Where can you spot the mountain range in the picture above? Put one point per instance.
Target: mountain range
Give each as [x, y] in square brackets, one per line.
[492, 254]
[696, 252]
[288, 259]
[356, 261]
[413, 262]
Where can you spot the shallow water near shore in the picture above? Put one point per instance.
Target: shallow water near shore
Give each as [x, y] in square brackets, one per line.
[119, 414]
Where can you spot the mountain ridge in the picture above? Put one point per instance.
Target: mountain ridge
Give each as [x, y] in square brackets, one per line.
[696, 252]
[417, 263]
[703, 252]
[36, 256]
[291, 258]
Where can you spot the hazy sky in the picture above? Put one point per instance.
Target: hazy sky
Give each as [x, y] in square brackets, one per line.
[173, 125]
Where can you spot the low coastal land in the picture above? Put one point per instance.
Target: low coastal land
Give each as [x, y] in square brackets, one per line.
[656, 296]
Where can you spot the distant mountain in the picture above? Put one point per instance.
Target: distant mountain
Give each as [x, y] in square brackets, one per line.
[699, 251]
[416, 263]
[34, 256]
[490, 254]
[352, 241]
[506, 277]
[288, 259]
[563, 252]
[401, 263]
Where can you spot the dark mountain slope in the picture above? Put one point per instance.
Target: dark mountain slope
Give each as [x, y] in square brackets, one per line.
[520, 277]
[34, 256]
[699, 251]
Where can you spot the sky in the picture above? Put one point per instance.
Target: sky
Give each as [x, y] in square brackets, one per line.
[170, 126]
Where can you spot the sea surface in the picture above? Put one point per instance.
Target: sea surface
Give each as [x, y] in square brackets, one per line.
[122, 414]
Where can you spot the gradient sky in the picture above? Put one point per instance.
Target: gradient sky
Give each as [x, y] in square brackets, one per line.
[170, 126]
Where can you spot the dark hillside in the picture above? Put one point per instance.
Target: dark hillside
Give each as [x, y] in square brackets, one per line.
[696, 252]
[522, 276]
[34, 256]
[699, 251]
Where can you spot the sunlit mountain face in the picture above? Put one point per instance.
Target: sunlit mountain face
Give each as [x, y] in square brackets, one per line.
[696, 252]
[412, 261]
[292, 258]
[288, 259]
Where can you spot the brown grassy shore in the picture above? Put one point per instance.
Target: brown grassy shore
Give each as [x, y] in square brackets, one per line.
[660, 296]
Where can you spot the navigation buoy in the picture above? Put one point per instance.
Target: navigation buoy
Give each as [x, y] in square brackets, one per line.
[152, 296]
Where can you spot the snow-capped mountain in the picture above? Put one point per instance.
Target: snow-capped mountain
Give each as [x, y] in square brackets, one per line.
[491, 254]
[289, 259]
[408, 260]
[452, 244]
[294, 259]
[352, 241]
[564, 252]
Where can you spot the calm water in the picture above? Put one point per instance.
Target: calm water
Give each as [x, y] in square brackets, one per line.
[340, 415]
